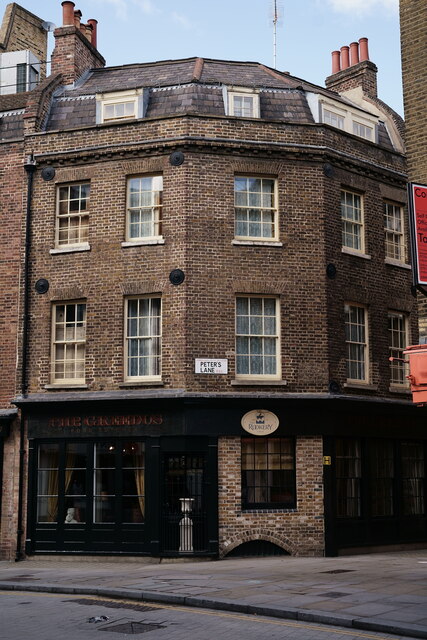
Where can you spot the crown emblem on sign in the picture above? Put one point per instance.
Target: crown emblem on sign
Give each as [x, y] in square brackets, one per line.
[260, 418]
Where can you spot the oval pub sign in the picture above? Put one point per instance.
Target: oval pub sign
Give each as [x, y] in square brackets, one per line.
[260, 422]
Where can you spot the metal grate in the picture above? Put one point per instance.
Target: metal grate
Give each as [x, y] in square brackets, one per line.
[184, 525]
[133, 628]
[257, 548]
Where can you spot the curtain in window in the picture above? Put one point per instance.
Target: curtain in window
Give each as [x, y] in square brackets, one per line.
[138, 461]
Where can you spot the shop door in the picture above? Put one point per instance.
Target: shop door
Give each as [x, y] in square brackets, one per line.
[183, 514]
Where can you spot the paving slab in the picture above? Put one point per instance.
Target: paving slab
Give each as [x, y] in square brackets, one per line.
[383, 592]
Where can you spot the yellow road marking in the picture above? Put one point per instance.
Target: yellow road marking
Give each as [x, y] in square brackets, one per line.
[195, 610]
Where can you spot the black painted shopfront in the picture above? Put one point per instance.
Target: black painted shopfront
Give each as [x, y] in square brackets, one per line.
[120, 483]
[140, 476]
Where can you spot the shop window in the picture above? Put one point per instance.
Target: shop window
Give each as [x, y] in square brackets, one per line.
[398, 341]
[394, 232]
[257, 337]
[47, 483]
[255, 202]
[348, 478]
[356, 343]
[81, 483]
[352, 221]
[144, 208]
[72, 216]
[268, 473]
[413, 478]
[69, 343]
[382, 472]
[75, 483]
[143, 338]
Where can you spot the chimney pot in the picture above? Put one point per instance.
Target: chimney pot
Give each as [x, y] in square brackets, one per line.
[77, 18]
[67, 13]
[336, 61]
[345, 59]
[354, 53]
[363, 49]
[93, 24]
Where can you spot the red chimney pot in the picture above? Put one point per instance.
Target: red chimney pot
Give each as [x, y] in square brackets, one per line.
[336, 61]
[67, 13]
[354, 53]
[345, 60]
[77, 18]
[93, 23]
[363, 49]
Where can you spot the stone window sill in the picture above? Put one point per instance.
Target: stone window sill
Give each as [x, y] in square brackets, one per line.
[258, 243]
[397, 263]
[141, 243]
[142, 383]
[75, 249]
[399, 388]
[65, 386]
[357, 254]
[258, 383]
[361, 386]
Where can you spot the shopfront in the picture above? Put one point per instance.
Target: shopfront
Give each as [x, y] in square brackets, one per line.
[203, 476]
[110, 483]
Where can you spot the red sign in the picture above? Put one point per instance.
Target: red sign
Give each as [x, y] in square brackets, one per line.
[418, 196]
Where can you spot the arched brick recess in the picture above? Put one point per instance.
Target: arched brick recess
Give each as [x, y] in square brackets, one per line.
[261, 534]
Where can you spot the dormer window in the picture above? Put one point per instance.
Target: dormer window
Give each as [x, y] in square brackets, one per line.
[344, 116]
[334, 119]
[243, 103]
[362, 130]
[118, 106]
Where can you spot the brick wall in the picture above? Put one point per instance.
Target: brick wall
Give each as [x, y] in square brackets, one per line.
[299, 531]
[198, 228]
[22, 30]
[362, 74]
[413, 23]
[73, 54]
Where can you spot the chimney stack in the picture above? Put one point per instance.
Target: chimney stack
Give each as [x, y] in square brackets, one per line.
[351, 68]
[75, 45]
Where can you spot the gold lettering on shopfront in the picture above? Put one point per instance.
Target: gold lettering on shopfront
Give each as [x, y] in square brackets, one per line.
[105, 421]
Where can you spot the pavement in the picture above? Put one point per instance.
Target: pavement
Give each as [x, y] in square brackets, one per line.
[383, 592]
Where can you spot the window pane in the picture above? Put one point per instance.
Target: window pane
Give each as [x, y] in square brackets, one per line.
[268, 478]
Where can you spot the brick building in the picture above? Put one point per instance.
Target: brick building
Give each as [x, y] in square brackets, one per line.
[217, 272]
[413, 21]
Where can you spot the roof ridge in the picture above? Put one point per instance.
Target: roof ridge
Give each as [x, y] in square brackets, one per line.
[198, 70]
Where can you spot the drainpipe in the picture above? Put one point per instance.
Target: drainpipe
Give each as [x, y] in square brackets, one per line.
[30, 167]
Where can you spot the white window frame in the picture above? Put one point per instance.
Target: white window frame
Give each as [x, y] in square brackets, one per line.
[69, 336]
[333, 118]
[395, 239]
[350, 225]
[346, 115]
[357, 346]
[136, 98]
[242, 93]
[74, 220]
[261, 210]
[261, 336]
[398, 331]
[153, 357]
[363, 130]
[155, 206]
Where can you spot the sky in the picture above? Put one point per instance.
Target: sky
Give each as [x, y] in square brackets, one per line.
[131, 31]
